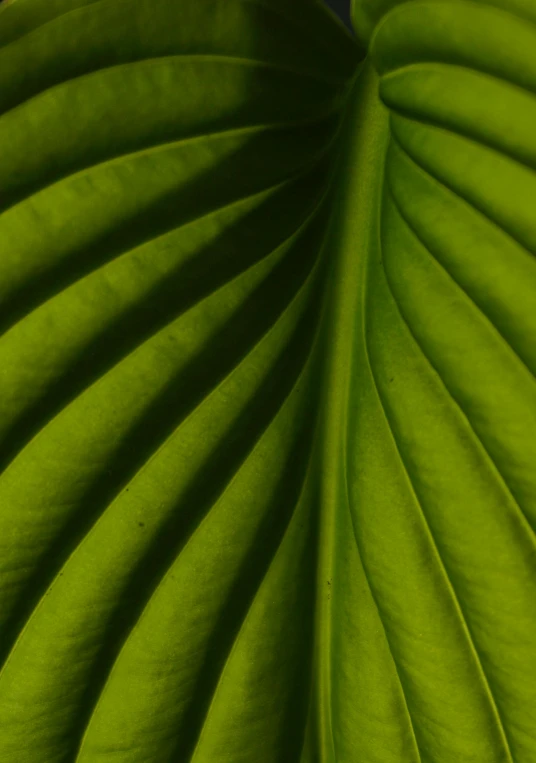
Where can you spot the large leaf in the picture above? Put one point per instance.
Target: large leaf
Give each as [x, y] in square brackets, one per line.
[267, 399]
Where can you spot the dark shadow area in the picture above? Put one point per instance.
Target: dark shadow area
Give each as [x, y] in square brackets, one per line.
[293, 149]
[342, 9]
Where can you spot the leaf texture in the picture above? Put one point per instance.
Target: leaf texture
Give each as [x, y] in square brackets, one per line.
[267, 400]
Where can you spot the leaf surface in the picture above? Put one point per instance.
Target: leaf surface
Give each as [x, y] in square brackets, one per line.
[267, 400]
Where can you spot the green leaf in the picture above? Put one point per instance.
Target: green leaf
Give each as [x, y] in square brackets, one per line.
[267, 396]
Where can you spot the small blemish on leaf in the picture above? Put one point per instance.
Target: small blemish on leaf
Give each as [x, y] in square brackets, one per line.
[141, 524]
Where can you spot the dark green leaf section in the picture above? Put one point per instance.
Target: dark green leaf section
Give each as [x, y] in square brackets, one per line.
[162, 286]
[267, 399]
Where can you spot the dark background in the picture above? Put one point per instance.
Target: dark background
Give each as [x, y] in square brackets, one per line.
[341, 8]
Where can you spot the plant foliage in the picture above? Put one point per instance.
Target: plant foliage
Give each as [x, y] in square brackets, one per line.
[267, 395]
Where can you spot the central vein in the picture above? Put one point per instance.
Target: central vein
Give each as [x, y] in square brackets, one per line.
[353, 227]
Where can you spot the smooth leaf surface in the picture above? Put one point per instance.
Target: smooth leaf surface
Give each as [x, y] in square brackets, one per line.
[267, 399]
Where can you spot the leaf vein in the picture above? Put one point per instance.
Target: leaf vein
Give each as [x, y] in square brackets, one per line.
[441, 564]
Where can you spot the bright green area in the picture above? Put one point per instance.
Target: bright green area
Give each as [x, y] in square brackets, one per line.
[267, 382]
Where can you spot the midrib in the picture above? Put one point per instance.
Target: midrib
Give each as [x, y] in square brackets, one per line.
[354, 224]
